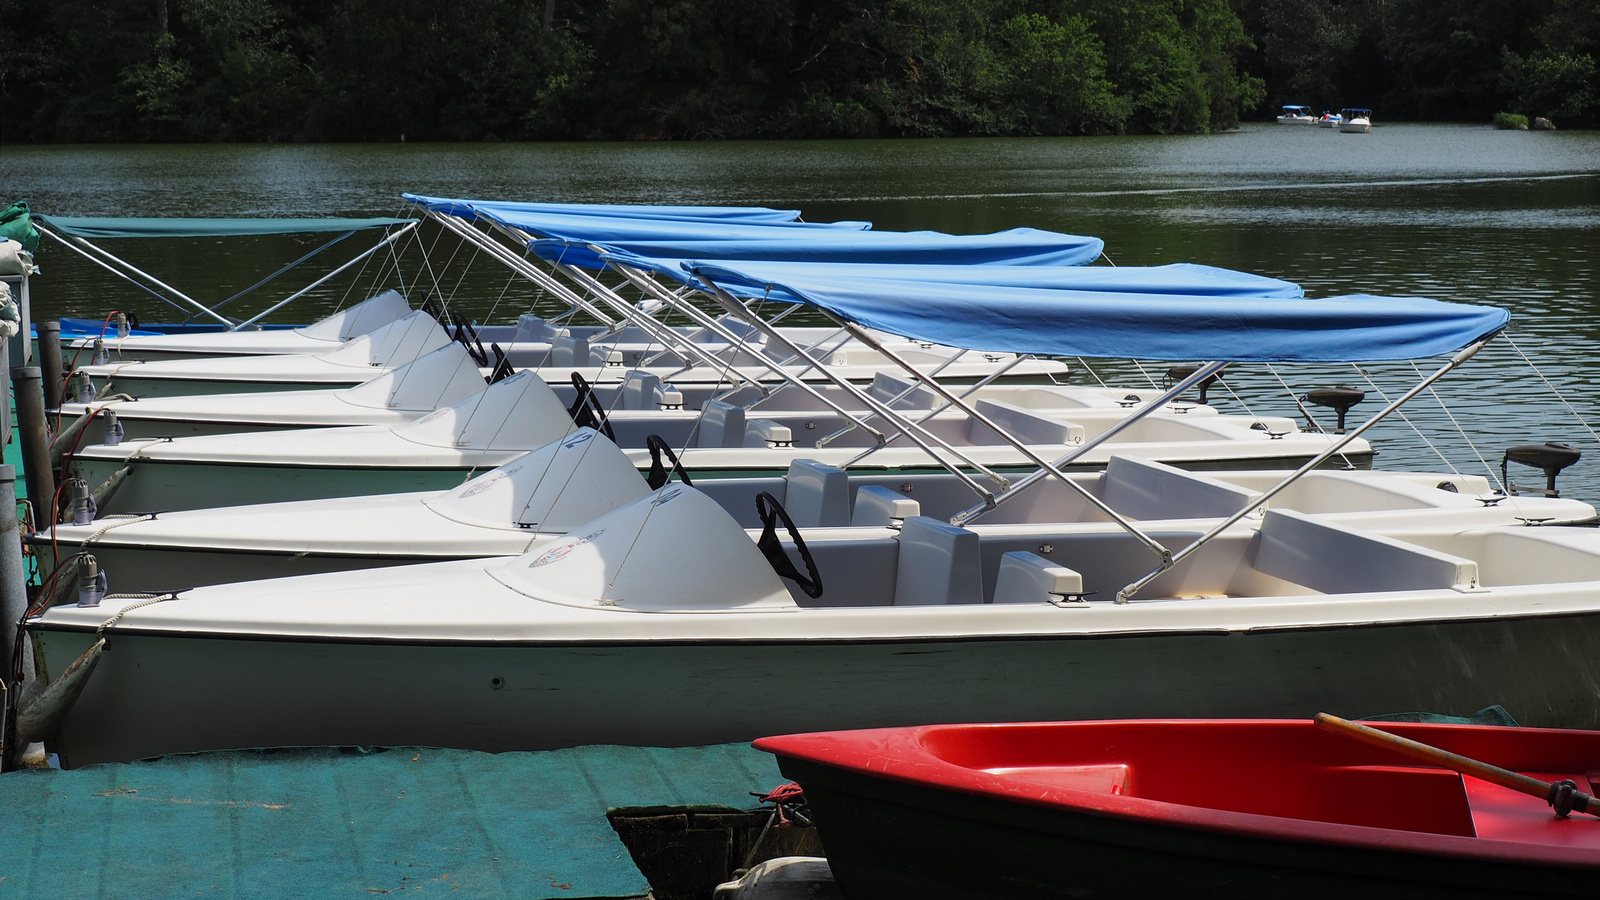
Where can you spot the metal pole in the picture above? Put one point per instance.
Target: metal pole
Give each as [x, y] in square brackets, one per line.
[1124, 595]
[50, 363]
[13, 606]
[13, 579]
[35, 444]
[143, 274]
[1022, 483]
[313, 285]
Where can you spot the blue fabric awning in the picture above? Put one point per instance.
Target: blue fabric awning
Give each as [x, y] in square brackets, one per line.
[104, 227]
[1178, 278]
[1017, 247]
[467, 208]
[1125, 325]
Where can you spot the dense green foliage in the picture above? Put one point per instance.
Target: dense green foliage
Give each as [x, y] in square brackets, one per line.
[1461, 60]
[352, 70]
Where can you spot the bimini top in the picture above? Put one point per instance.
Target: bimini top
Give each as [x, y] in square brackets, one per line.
[576, 237]
[1016, 247]
[103, 227]
[1121, 325]
[469, 209]
[1177, 278]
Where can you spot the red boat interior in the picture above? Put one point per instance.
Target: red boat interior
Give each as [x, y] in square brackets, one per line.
[1285, 769]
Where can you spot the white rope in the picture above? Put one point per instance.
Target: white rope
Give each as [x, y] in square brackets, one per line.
[1577, 415]
[148, 600]
[123, 519]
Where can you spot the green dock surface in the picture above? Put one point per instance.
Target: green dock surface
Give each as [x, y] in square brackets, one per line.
[343, 822]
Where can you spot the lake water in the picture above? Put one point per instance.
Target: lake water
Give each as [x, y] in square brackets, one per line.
[1452, 212]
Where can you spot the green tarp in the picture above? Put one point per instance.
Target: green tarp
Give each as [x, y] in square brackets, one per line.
[331, 822]
[76, 226]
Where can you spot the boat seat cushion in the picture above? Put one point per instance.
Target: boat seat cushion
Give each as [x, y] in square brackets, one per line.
[1337, 559]
[939, 564]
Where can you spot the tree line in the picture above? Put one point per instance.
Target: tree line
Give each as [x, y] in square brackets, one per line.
[386, 70]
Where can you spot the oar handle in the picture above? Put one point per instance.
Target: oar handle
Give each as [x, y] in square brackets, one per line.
[1544, 790]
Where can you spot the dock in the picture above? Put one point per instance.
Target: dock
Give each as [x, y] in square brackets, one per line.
[352, 822]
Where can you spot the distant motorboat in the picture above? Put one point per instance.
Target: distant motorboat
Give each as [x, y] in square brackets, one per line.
[1330, 120]
[1296, 115]
[1355, 120]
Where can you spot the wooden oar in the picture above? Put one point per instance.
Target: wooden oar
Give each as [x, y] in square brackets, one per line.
[1563, 796]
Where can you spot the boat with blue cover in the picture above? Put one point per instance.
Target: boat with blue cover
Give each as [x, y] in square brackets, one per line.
[664, 622]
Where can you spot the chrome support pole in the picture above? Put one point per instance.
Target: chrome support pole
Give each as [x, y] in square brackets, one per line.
[1126, 594]
[518, 264]
[1022, 483]
[912, 430]
[73, 246]
[404, 230]
[1045, 468]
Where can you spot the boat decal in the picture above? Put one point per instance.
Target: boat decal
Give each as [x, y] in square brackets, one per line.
[489, 481]
[559, 552]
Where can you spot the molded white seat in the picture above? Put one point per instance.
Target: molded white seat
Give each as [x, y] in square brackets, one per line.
[817, 494]
[878, 505]
[1030, 578]
[939, 564]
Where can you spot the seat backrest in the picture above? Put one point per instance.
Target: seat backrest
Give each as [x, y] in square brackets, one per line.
[939, 564]
[721, 425]
[886, 387]
[638, 390]
[1144, 489]
[816, 494]
[1338, 559]
[1026, 425]
[569, 350]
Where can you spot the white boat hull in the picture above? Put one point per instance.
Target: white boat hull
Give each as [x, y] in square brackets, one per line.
[153, 695]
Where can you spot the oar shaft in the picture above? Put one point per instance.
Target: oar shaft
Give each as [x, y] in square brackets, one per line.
[1493, 774]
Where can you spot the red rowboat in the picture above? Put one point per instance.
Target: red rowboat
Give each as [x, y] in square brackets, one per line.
[1186, 809]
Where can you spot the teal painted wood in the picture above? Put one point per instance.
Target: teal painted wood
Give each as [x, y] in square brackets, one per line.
[328, 822]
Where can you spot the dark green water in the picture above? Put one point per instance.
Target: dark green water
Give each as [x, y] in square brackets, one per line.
[1458, 213]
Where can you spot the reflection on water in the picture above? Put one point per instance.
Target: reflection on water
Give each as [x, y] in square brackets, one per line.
[1452, 212]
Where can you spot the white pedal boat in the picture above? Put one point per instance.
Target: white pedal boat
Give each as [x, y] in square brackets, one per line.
[550, 491]
[521, 413]
[321, 336]
[663, 624]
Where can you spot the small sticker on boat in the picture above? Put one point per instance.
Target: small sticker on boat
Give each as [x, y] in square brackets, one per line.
[559, 552]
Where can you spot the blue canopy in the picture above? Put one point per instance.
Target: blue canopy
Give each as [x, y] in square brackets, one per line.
[1017, 247]
[1178, 278]
[497, 208]
[1126, 325]
[104, 227]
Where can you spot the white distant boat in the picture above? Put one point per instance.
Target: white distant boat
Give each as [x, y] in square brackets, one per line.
[1355, 120]
[1296, 115]
[1330, 120]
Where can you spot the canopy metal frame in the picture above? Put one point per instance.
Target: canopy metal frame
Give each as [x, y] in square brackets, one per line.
[1129, 591]
[122, 269]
